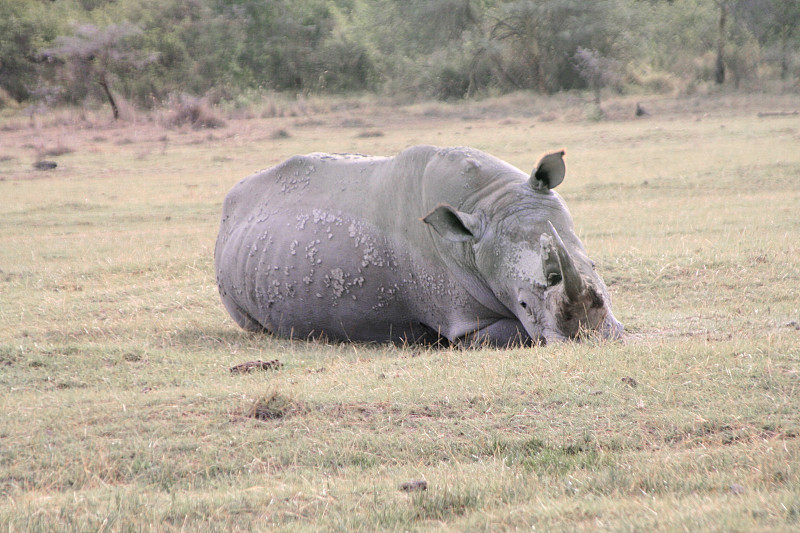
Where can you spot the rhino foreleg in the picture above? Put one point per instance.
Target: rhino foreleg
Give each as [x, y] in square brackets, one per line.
[502, 333]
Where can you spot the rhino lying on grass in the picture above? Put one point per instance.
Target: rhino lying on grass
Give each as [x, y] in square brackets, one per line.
[432, 244]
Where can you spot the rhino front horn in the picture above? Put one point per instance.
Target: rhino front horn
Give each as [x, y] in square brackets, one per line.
[573, 282]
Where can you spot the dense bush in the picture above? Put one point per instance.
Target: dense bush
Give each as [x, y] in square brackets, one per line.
[25, 27]
[76, 50]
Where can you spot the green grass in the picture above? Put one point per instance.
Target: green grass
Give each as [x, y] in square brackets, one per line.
[118, 411]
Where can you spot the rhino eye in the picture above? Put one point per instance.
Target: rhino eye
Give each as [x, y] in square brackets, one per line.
[553, 278]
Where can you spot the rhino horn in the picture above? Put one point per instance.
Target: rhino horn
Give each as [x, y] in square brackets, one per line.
[573, 282]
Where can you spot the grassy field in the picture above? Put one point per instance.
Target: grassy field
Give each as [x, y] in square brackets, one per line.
[118, 411]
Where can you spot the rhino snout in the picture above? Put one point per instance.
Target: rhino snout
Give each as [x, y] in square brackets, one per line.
[611, 328]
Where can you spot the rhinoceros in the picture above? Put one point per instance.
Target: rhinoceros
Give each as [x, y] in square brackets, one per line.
[435, 244]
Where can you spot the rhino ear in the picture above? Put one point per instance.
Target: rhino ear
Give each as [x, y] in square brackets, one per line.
[549, 172]
[453, 225]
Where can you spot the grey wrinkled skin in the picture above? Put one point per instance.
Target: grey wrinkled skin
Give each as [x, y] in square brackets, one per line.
[432, 243]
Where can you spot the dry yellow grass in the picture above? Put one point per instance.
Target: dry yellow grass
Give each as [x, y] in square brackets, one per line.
[119, 411]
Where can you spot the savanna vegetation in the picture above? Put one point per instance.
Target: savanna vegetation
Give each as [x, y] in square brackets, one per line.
[118, 407]
[148, 53]
[119, 411]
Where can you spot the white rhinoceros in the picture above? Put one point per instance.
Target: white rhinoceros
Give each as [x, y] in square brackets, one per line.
[432, 243]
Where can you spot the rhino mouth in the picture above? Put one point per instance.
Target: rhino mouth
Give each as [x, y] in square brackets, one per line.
[612, 329]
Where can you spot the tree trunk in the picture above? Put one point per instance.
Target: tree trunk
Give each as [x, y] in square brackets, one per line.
[112, 103]
[719, 71]
[785, 58]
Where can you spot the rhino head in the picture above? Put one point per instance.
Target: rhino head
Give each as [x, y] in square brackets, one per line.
[518, 254]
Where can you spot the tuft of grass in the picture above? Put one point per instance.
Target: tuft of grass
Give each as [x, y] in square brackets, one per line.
[274, 406]
[280, 134]
[192, 111]
[595, 113]
[55, 151]
[443, 505]
[533, 453]
[8, 355]
[367, 134]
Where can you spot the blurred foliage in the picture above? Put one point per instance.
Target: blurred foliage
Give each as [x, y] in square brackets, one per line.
[25, 27]
[445, 49]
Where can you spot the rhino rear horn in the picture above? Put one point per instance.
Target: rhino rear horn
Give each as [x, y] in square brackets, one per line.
[573, 282]
[549, 172]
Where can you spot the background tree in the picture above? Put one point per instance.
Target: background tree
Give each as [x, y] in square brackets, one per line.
[776, 26]
[541, 38]
[598, 71]
[100, 54]
[724, 7]
[25, 26]
[419, 47]
[291, 45]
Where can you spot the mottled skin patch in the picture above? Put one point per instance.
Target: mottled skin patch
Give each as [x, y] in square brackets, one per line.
[433, 243]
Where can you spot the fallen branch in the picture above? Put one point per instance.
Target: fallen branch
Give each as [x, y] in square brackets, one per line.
[258, 365]
[778, 113]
